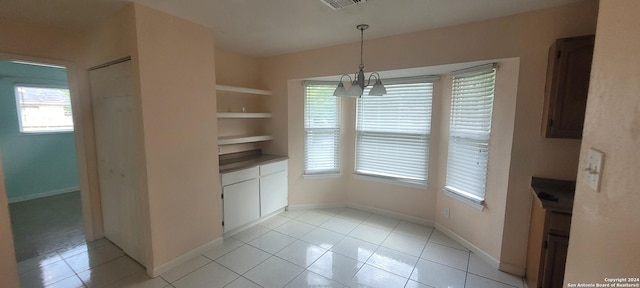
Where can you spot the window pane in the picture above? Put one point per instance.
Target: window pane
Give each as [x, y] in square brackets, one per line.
[469, 134]
[393, 132]
[322, 129]
[44, 109]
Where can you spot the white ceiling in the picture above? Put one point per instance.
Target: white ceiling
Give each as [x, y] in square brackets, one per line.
[273, 27]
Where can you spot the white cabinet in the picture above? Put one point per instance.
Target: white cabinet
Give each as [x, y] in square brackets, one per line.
[273, 187]
[251, 193]
[241, 203]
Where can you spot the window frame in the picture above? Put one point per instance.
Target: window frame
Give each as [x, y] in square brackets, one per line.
[360, 134]
[336, 131]
[20, 105]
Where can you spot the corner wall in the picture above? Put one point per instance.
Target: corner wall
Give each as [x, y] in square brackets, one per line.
[178, 101]
[605, 227]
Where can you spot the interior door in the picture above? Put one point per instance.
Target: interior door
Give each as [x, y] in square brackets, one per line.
[117, 142]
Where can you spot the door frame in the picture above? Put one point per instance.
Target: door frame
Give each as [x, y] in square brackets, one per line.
[77, 78]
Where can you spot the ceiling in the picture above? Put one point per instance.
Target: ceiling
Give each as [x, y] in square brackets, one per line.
[273, 27]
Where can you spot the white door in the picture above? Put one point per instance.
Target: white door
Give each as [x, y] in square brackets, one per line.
[117, 143]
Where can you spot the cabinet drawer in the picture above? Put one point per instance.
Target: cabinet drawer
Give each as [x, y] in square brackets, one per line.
[239, 176]
[271, 168]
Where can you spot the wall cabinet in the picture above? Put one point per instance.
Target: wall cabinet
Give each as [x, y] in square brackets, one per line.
[567, 86]
[255, 192]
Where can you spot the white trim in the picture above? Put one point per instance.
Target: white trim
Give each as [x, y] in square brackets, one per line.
[495, 263]
[389, 181]
[315, 206]
[486, 257]
[392, 214]
[44, 194]
[156, 271]
[464, 199]
[322, 176]
[512, 269]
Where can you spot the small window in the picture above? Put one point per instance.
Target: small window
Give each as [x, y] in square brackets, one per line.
[470, 132]
[43, 109]
[322, 129]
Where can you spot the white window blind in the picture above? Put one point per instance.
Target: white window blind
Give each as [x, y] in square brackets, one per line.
[393, 132]
[470, 131]
[322, 129]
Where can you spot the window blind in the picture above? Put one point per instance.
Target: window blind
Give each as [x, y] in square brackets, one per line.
[392, 132]
[470, 131]
[322, 129]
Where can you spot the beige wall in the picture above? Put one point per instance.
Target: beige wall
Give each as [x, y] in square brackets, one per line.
[605, 226]
[8, 269]
[526, 36]
[180, 136]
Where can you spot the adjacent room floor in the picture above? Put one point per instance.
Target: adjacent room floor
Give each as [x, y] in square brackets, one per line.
[341, 247]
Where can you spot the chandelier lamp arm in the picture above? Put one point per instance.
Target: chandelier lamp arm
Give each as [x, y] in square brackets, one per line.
[358, 81]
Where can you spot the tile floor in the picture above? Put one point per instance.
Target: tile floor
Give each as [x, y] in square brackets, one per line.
[341, 247]
[45, 225]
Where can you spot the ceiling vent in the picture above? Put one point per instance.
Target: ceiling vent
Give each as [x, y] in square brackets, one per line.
[339, 4]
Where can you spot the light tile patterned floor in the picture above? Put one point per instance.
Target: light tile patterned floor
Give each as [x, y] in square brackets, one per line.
[340, 247]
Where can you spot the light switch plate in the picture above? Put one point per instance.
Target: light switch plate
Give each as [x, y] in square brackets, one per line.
[595, 160]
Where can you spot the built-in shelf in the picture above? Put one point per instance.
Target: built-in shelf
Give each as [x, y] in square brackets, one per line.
[229, 140]
[242, 90]
[243, 115]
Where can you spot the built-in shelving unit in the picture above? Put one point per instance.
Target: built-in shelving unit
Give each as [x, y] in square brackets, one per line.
[242, 90]
[241, 139]
[228, 140]
[243, 115]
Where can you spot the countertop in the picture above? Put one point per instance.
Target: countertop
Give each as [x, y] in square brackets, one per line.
[242, 160]
[560, 194]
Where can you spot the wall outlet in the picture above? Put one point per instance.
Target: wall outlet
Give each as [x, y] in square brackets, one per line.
[446, 212]
[595, 160]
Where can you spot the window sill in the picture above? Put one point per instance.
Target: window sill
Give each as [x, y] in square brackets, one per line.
[478, 204]
[390, 181]
[321, 176]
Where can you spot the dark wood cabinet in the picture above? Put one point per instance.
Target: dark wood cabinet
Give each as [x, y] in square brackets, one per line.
[555, 260]
[567, 86]
[549, 232]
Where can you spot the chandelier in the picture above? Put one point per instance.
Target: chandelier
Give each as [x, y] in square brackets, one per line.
[358, 82]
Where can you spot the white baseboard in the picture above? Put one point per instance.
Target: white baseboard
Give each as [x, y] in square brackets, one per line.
[43, 194]
[392, 214]
[495, 263]
[156, 271]
[315, 206]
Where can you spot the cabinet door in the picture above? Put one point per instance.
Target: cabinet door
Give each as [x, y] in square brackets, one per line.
[555, 260]
[273, 192]
[568, 73]
[241, 204]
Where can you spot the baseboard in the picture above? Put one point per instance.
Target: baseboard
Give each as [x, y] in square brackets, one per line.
[392, 214]
[315, 206]
[486, 257]
[156, 271]
[43, 194]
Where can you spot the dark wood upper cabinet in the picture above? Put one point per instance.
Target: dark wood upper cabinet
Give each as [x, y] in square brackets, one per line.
[568, 72]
